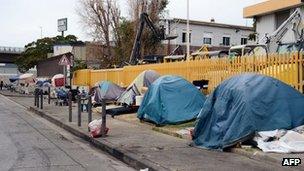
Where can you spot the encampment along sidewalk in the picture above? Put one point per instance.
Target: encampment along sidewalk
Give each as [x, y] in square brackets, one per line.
[141, 147]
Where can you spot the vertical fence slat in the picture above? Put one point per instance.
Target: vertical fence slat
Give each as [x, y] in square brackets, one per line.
[287, 67]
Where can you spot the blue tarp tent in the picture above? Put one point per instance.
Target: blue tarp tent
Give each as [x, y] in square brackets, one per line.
[107, 90]
[171, 100]
[244, 104]
[41, 83]
[14, 78]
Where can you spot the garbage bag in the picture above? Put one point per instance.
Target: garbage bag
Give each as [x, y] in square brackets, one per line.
[95, 128]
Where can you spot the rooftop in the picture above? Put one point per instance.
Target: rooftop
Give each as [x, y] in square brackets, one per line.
[270, 6]
[213, 24]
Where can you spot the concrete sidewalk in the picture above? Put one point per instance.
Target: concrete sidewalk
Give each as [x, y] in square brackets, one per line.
[141, 147]
[8, 93]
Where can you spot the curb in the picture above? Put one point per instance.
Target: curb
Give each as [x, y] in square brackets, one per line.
[129, 158]
[256, 155]
[163, 131]
[9, 95]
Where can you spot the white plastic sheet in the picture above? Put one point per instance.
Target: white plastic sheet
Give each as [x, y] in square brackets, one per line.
[281, 141]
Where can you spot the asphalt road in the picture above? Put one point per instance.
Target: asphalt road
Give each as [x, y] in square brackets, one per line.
[28, 142]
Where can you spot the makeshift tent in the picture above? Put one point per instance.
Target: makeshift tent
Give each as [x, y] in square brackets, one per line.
[58, 80]
[14, 78]
[171, 100]
[46, 84]
[244, 104]
[42, 81]
[144, 79]
[27, 78]
[107, 90]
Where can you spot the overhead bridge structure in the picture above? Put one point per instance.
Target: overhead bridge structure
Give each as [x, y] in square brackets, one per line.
[9, 54]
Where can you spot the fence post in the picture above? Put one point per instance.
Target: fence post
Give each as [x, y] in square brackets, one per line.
[41, 99]
[89, 109]
[79, 109]
[49, 95]
[70, 106]
[103, 116]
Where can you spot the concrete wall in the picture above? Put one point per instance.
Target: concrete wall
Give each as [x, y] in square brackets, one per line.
[79, 52]
[61, 49]
[91, 53]
[265, 25]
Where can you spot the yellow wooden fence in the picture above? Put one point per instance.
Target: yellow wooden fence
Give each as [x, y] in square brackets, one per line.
[286, 67]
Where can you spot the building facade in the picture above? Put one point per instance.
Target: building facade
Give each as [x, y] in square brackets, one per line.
[206, 33]
[89, 52]
[50, 67]
[269, 16]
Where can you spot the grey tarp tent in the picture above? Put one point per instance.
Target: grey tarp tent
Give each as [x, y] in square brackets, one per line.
[107, 90]
[144, 79]
[244, 104]
[171, 100]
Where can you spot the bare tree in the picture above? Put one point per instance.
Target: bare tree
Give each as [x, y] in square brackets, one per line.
[101, 19]
[155, 9]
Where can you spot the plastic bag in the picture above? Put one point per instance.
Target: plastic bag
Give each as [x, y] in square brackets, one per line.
[95, 128]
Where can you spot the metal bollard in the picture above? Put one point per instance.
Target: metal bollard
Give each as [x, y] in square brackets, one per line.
[104, 117]
[35, 97]
[41, 99]
[49, 95]
[89, 109]
[79, 109]
[70, 106]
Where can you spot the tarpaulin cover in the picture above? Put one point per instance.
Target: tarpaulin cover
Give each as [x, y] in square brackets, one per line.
[58, 80]
[171, 100]
[108, 91]
[14, 78]
[144, 79]
[41, 83]
[244, 104]
[62, 94]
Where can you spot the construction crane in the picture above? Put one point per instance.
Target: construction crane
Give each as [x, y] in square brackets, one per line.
[272, 43]
[159, 34]
[292, 23]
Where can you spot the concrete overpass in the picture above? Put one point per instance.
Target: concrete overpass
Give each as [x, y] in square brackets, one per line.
[9, 54]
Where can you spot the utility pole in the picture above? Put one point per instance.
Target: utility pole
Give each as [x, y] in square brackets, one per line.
[188, 32]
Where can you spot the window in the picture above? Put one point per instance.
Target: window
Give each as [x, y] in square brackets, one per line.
[226, 41]
[207, 41]
[184, 39]
[244, 41]
[281, 17]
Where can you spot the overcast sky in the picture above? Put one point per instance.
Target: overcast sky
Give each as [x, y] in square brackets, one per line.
[21, 20]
